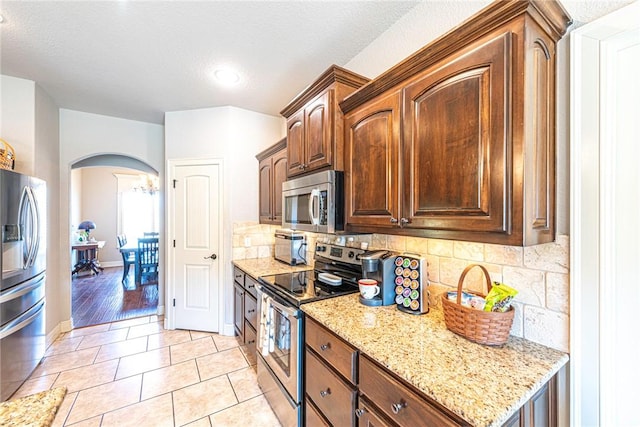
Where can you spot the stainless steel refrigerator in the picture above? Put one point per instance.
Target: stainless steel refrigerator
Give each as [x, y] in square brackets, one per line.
[23, 262]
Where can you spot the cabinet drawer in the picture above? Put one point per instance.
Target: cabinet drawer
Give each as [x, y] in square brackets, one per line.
[238, 276]
[250, 309]
[312, 417]
[250, 343]
[334, 397]
[337, 353]
[397, 401]
[250, 285]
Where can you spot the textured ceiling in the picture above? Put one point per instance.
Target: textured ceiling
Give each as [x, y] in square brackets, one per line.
[138, 59]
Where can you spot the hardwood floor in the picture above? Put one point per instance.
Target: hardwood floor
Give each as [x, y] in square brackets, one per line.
[102, 298]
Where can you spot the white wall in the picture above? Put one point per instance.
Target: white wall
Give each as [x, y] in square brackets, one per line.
[84, 135]
[17, 119]
[236, 136]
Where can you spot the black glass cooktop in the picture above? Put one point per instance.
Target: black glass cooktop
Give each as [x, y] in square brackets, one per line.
[303, 287]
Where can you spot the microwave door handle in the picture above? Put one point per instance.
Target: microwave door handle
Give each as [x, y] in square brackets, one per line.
[314, 200]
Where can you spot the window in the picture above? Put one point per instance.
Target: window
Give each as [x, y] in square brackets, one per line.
[138, 205]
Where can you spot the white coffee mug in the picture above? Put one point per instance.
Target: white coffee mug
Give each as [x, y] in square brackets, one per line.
[368, 288]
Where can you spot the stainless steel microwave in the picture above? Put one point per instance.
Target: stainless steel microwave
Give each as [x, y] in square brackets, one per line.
[314, 202]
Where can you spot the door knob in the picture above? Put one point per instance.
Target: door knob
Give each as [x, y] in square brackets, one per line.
[212, 256]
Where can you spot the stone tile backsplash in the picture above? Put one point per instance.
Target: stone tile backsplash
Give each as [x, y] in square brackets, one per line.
[539, 273]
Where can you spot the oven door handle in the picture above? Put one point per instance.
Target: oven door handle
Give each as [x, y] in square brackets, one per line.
[291, 311]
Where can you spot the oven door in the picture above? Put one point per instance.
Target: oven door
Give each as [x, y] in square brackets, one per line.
[279, 341]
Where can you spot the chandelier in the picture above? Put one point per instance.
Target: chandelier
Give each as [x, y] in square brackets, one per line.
[148, 184]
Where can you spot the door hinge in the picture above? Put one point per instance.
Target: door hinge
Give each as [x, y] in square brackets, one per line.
[174, 302]
[174, 243]
[174, 183]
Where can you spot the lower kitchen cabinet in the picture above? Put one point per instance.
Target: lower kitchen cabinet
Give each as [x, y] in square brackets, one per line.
[330, 377]
[245, 308]
[344, 387]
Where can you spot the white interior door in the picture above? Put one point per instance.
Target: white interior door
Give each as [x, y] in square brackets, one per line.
[605, 187]
[195, 243]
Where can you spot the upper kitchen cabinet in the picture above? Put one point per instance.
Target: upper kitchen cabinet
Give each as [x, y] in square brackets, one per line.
[272, 168]
[315, 122]
[475, 157]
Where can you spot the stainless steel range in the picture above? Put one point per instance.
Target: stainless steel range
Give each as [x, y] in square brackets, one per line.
[281, 333]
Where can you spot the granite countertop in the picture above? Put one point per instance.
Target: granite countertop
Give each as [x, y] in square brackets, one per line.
[484, 385]
[257, 267]
[36, 410]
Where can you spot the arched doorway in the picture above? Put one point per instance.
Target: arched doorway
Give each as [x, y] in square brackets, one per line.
[120, 195]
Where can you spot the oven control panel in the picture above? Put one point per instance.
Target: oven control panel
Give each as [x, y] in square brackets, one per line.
[339, 253]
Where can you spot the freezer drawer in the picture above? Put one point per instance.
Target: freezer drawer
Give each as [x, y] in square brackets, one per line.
[22, 346]
[20, 298]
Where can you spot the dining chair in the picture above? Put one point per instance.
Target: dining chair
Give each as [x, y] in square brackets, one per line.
[128, 257]
[148, 256]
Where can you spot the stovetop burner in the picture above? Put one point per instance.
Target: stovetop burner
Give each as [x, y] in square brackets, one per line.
[303, 287]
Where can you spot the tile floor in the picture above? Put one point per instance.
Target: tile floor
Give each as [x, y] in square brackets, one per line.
[135, 373]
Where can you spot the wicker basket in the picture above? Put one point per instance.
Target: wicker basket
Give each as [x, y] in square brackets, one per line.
[483, 327]
[7, 155]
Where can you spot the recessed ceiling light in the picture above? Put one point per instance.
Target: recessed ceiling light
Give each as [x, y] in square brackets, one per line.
[226, 76]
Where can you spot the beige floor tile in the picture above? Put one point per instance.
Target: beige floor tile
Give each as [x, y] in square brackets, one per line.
[221, 363]
[143, 362]
[194, 402]
[64, 362]
[168, 379]
[35, 385]
[60, 346]
[87, 376]
[245, 384]
[224, 342]
[121, 349]
[101, 338]
[64, 409]
[105, 398]
[157, 412]
[129, 322]
[147, 329]
[255, 412]
[86, 331]
[167, 338]
[192, 349]
[202, 422]
[195, 335]
[91, 422]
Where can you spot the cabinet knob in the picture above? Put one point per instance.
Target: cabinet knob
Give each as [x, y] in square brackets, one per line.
[251, 342]
[325, 347]
[360, 412]
[404, 221]
[325, 393]
[393, 220]
[301, 167]
[397, 407]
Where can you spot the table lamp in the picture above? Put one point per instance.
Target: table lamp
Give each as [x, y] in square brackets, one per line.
[87, 226]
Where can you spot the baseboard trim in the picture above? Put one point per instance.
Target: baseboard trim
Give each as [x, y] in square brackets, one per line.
[52, 336]
[228, 330]
[111, 264]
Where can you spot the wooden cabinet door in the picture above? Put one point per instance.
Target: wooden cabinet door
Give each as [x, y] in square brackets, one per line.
[295, 143]
[238, 310]
[319, 132]
[279, 174]
[457, 167]
[265, 190]
[372, 144]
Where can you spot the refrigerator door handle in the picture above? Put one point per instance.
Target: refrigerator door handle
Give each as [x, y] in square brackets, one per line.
[23, 289]
[22, 321]
[35, 228]
[21, 219]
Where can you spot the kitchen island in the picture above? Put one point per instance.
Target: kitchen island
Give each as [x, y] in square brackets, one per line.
[483, 385]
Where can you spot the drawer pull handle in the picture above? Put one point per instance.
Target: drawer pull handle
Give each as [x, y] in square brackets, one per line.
[397, 407]
[325, 393]
[250, 286]
[251, 342]
[325, 347]
[360, 412]
[250, 311]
